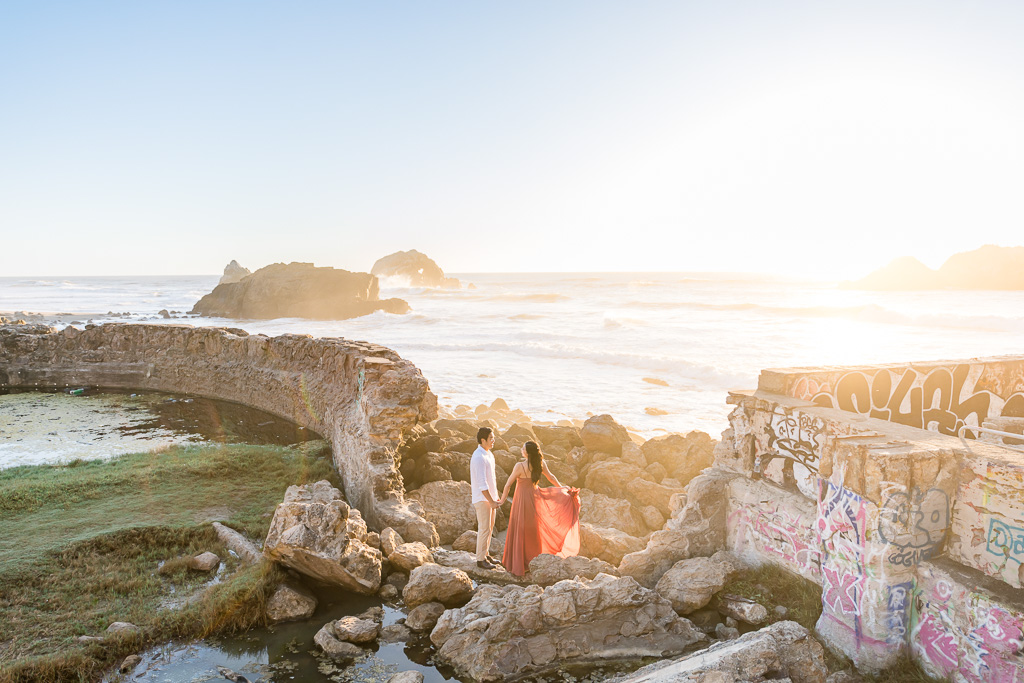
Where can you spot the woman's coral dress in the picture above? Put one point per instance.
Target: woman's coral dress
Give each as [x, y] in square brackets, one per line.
[543, 520]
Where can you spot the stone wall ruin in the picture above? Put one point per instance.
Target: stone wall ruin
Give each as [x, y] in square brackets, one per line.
[360, 396]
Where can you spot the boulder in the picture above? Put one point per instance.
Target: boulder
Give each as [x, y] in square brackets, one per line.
[389, 540]
[632, 455]
[233, 272]
[466, 561]
[612, 476]
[607, 544]
[653, 518]
[783, 651]
[467, 543]
[315, 533]
[600, 510]
[129, 663]
[424, 617]
[520, 432]
[690, 584]
[408, 556]
[546, 570]
[388, 592]
[332, 646]
[413, 268]
[603, 433]
[449, 505]
[644, 493]
[356, 630]
[511, 631]
[696, 530]
[245, 549]
[395, 633]
[123, 628]
[565, 474]
[742, 609]
[204, 562]
[437, 583]
[553, 435]
[683, 457]
[290, 602]
[406, 677]
[298, 290]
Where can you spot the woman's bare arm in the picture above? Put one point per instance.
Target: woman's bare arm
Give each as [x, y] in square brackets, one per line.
[547, 473]
[508, 484]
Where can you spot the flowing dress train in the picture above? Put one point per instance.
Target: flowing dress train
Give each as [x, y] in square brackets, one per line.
[543, 520]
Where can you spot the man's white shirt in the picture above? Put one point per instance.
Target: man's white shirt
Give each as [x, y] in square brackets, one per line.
[481, 475]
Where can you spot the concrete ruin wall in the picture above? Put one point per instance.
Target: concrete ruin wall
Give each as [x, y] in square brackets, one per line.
[916, 537]
[361, 397]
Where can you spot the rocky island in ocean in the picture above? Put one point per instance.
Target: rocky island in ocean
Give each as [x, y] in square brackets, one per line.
[298, 290]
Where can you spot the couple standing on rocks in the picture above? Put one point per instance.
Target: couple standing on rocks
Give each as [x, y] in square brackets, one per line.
[543, 520]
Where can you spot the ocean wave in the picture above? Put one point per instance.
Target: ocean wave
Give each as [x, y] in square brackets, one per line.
[872, 313]
[613, 322]
[702, 375]
[545, 298]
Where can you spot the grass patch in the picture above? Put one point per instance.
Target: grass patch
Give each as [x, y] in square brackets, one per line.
[85, 545]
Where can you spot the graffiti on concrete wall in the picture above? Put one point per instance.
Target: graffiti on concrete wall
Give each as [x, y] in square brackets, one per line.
[842, 522]
[943, 399]
[961, 634]
[1005, 540]
[776, 532]
[796, 436]
[898, 597]
[915, 524]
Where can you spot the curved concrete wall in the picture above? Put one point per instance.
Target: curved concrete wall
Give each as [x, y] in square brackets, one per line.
[362, 397]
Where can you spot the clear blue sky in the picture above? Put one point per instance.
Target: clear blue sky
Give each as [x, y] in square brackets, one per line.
[817, 138]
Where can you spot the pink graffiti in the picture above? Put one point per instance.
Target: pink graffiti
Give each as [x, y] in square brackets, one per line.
[807, 388]
[841, 591]
[938, 646]
[778, 532]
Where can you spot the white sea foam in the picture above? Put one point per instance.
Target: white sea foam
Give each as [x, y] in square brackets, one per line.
[581, 343]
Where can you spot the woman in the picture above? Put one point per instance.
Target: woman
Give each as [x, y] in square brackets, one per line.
[542, 520]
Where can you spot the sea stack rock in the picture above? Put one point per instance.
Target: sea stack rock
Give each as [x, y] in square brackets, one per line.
[233, 272]
[298, 290]
[418, 268]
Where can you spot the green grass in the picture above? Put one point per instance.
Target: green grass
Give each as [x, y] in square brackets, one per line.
[87, 544]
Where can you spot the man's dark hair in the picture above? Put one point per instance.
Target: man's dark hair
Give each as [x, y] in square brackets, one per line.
[483, 433]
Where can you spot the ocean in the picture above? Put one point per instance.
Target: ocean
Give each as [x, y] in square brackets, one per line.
[658, 351]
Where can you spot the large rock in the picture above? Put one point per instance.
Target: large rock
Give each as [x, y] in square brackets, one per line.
[298, 290]
[356, 630]
[466, 561]
[607, 544]
[290, 602]
[413, 268]
[690, 584]
[408, 556]
[547, 570]
[334, 647]
[318, 535]
[695, 530]
[612, 476]
[449, 506]
[683, 457]
[988, 267]
[424, 617]
[600, 510]
[233, 272]
[436, 583]
[783, 651]
[603, 433]
[644, 493]
[558, 435]
[389, 540]
[507, 632]
[467, 542]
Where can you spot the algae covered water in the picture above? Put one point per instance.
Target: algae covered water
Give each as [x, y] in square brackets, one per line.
[54, 427]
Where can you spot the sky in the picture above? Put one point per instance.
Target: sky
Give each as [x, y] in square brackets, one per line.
[807, 139]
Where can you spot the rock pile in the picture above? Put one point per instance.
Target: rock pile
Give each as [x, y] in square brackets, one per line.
[508, 631]
[415, 268]
[317, 534]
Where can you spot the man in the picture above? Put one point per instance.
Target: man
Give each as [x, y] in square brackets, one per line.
[485, 495]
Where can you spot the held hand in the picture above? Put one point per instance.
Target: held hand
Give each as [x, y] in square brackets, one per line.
[498, 504]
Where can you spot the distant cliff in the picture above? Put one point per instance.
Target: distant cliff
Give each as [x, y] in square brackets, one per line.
[989, 267]
[298, 290]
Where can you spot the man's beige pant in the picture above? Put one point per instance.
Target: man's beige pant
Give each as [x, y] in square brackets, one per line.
[484, 528]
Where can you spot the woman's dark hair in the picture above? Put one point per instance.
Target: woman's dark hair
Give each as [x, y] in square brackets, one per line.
[482, 434]
[536, 460]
